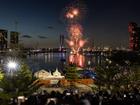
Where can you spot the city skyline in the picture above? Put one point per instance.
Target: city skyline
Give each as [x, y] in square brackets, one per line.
[105, 22]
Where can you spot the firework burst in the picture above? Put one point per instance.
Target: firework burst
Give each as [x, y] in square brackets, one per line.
[75, 30]
[73, 15]
[74, 12]
[76, 42]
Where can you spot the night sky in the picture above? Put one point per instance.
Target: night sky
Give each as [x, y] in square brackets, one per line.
[105, 22]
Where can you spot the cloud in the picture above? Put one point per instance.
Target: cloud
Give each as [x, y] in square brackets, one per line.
[50, 27]
[42, 37]
[26, 36]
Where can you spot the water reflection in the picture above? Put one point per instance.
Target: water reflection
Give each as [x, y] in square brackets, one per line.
[47, 61]
[77, 59]
[51, 61]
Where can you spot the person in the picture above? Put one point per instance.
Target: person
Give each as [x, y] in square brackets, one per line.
[51, 103]
[84, 101]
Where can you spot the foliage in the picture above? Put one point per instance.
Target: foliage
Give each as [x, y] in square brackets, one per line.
[105, 75]
[71, 72]
[121, 57]
[134, 75]
[112, 76]
[1, 75]
[25, 79]
[71, 75]
[21, 83]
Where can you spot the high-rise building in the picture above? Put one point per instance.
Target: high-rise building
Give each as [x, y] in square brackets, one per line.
[3, 39]
[134, 38]
[14, 37]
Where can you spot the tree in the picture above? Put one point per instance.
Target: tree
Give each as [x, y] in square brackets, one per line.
[121, 57]
[105, 75]
[115, 76]
[21, 83]
[134, 75]
[1, 75]
[71, 74]
[26, 80]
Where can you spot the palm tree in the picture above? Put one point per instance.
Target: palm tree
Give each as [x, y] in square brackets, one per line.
[105, 75]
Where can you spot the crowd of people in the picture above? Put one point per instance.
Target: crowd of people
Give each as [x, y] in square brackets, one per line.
[73, 97]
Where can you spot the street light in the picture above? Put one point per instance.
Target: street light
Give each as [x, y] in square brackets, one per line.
[12, 66]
